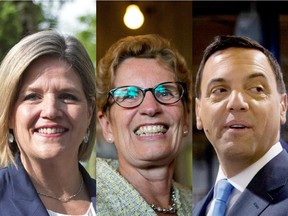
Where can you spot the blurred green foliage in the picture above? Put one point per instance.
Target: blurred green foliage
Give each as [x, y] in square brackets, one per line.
[88, 35]
[11, 28]
[19, 18]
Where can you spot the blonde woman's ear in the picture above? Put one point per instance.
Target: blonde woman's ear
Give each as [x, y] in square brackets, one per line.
[185, 133]
[110, 140]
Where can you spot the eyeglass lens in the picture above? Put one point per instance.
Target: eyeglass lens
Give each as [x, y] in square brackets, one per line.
[132, 96]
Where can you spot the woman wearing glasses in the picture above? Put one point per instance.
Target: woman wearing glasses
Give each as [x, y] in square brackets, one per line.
[143, 100]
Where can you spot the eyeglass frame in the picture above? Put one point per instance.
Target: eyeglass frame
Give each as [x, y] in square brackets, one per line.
[144, 90]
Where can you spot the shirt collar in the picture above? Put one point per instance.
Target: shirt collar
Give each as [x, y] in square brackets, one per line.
[242, 179]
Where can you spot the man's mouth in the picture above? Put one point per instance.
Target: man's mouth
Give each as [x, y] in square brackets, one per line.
[237, 126]
[151, 130]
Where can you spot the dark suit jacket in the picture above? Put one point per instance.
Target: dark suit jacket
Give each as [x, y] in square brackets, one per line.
[265, 195]
[284, 144]
[18, 196]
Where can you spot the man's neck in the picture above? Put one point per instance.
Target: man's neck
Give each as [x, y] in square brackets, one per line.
[232, 167]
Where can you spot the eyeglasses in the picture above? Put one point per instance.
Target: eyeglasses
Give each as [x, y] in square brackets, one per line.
[133, 96]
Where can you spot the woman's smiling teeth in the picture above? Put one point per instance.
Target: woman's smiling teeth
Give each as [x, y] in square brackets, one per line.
[51, 130]
[152, 130]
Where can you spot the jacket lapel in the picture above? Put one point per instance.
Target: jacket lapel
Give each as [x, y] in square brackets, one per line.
[249, 204]
[90, 184]
[266, 187]
[24, 198]
[201, 207]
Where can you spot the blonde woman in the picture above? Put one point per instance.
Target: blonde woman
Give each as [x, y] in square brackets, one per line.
[47, 118]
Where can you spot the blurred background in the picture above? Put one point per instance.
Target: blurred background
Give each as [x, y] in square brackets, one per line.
[264, 21]
[21, 18]
[170, 19]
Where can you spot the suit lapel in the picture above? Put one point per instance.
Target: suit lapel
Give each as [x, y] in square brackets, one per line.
[90, 183]
[249, 204]
[201, 207]
[265, 188]
[24, 198]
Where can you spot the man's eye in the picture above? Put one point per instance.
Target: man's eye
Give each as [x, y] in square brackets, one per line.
[257, 89]
[218, 90]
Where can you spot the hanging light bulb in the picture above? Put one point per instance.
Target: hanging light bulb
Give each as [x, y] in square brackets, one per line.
[133, 17]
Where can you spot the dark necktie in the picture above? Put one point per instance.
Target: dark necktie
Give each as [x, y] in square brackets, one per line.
[223, 191]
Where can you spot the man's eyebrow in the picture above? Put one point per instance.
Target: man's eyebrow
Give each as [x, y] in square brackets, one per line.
[223, 80]
[216, 80]
[256, 75]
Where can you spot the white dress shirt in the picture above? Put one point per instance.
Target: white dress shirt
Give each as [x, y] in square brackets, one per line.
[242, 179]
[90, 212]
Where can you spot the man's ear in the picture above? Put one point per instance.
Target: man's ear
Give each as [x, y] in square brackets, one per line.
[283, 108]
[106, 126]
[198, 114]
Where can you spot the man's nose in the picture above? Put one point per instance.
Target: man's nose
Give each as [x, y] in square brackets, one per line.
[237, 102]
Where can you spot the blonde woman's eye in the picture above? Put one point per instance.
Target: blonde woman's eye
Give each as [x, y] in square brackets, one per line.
[32, 97]
[68, 97]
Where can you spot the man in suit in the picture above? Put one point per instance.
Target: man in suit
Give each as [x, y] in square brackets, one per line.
[240, 105]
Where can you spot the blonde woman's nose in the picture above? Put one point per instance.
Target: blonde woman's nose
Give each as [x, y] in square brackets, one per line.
[50, 107]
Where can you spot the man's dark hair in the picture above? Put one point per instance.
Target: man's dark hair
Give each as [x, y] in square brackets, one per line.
[223, 42]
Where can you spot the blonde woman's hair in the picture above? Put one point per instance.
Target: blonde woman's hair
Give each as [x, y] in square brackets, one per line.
[14, 66]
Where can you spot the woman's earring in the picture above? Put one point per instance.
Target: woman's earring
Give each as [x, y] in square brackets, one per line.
[185, 133]
[86, 136]
[110, 140]
[10, 138]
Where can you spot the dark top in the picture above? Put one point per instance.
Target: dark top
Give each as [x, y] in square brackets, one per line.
[18, 195]
[265, 195]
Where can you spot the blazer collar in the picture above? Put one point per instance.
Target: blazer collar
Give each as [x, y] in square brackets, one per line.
[265, 188]
[201, 207]
[90, 184]
[25, 194]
